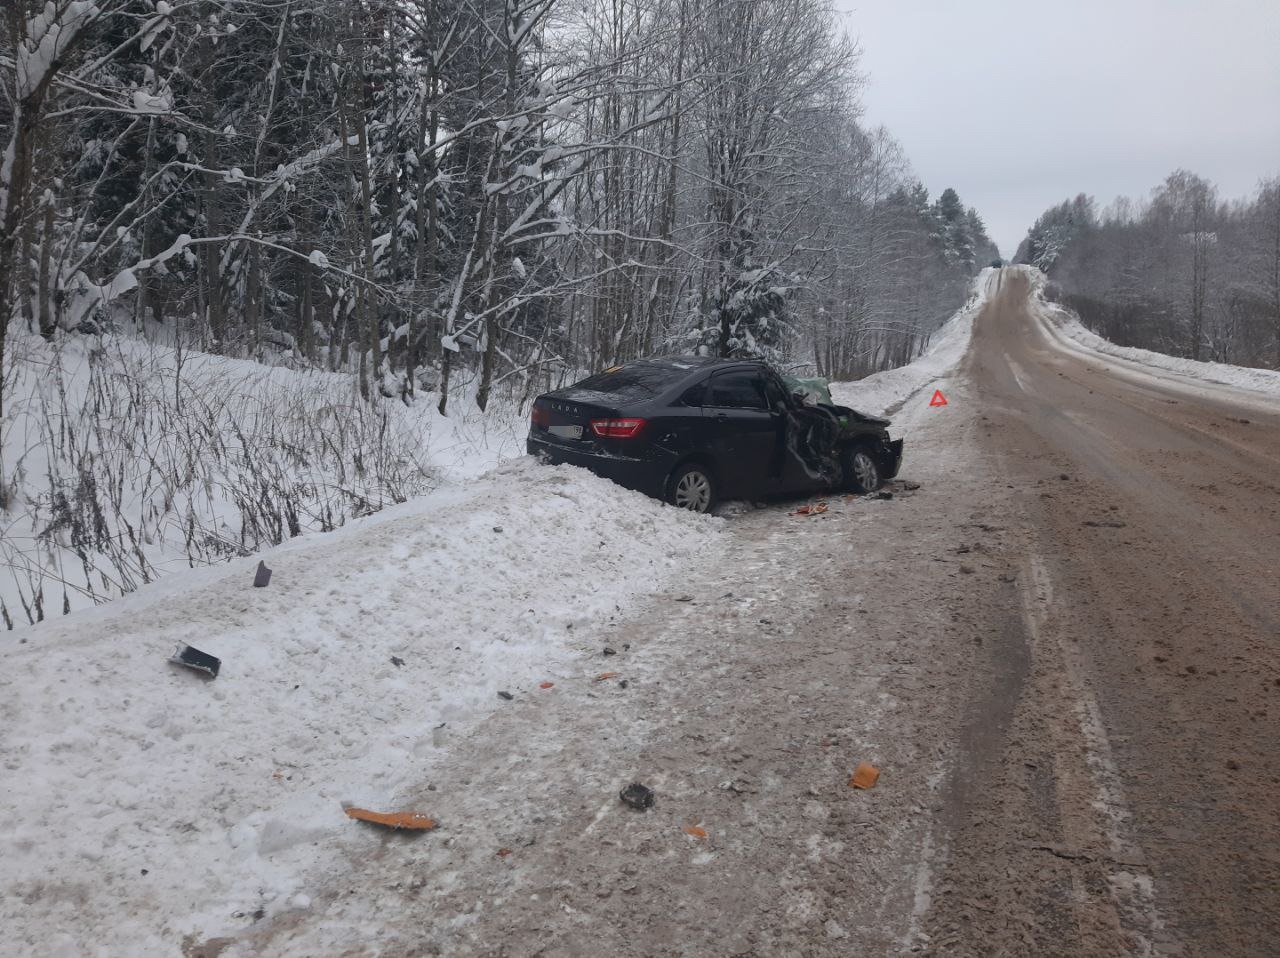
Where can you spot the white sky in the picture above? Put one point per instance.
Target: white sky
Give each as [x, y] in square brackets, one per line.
[1019, 105]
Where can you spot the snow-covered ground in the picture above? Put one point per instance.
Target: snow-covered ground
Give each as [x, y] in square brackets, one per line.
[882, 393]
[144, 803]
[1068, 333]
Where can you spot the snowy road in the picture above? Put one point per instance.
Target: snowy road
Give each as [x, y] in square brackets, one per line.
[1129, 806]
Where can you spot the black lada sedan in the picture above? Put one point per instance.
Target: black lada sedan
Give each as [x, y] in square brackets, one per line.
[693, 430]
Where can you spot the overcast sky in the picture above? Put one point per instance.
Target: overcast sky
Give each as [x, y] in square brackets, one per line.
[1019, 105]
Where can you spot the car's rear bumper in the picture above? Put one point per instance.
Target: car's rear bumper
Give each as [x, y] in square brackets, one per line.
[647, 475]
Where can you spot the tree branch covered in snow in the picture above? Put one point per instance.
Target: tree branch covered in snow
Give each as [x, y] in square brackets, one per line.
[464, 183]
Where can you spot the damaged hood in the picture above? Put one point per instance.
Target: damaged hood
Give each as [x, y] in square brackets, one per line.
[816, 391]
[863, 417]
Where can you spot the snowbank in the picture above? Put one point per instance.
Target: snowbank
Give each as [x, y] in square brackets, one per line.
[144, 803]
[122, 461]
[1065, 327]
[882, 393]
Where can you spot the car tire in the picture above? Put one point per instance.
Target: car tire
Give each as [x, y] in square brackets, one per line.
[862, 471]
[692, 487]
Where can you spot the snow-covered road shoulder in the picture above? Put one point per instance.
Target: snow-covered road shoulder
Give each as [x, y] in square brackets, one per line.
[145, 804]
[1067, 333]
[883, 393]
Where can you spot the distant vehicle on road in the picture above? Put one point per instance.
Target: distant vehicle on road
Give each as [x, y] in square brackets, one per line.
[692, 430]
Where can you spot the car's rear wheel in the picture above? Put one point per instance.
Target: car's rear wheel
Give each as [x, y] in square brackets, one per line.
[692, 488]
[861, 470]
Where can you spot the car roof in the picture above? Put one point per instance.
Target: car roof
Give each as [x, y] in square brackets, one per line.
[691, 363]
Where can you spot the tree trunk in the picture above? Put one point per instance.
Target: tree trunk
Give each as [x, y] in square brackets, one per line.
[47, 323]
[368, 301]
[211, 258]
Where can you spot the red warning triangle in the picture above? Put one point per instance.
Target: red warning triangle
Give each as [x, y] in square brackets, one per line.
[938, 399]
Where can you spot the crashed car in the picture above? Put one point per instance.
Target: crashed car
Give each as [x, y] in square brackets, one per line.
[693, 430]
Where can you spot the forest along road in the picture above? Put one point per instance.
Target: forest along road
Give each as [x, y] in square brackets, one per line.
[1058, 651]
[1133, 803]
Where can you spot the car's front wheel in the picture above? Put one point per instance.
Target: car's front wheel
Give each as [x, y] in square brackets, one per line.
[692, 487]
[861, 471]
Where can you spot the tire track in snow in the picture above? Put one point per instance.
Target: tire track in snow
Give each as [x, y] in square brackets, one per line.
[1131, 884]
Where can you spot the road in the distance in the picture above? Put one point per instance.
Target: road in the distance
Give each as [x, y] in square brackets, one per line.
[1131, 804]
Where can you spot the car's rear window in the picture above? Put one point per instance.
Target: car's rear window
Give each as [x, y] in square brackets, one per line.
[633, 381]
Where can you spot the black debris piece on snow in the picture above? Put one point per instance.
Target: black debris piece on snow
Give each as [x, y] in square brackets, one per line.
[196, 660]
[637, 796]
[506, 695]
[262, 576]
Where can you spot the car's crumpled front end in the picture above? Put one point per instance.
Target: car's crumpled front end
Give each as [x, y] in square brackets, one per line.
[892, 457]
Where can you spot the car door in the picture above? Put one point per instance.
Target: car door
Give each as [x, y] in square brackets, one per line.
[743, 431]
[798, 468]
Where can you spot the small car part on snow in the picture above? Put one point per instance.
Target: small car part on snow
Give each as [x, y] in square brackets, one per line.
[639, 797]
[865, 776]
[197, 660]
[413, 821]
[262, 577]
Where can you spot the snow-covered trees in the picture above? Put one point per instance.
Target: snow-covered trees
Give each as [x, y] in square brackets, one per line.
[486, 192]
[1183, 273]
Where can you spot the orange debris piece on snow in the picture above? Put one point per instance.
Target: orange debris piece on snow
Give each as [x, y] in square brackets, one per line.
[813, 509]
[413, 820]
[546, 685]
[606, 675]
[864, 776]
[695, 830]
[504, 852]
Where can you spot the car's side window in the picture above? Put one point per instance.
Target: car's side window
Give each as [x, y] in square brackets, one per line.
[743, 389]
[695, 395]
[774, 393]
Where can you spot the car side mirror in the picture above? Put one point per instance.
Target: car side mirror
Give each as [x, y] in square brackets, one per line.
[798, 398]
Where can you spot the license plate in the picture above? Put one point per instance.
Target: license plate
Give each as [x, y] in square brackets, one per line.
[566, 432]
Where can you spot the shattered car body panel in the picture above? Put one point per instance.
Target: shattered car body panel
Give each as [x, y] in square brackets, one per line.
[692, 430]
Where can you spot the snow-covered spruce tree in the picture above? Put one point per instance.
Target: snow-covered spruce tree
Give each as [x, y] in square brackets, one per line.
[771, 73]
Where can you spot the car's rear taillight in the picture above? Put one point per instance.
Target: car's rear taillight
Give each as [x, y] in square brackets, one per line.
[617, 428]
[540, 415]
